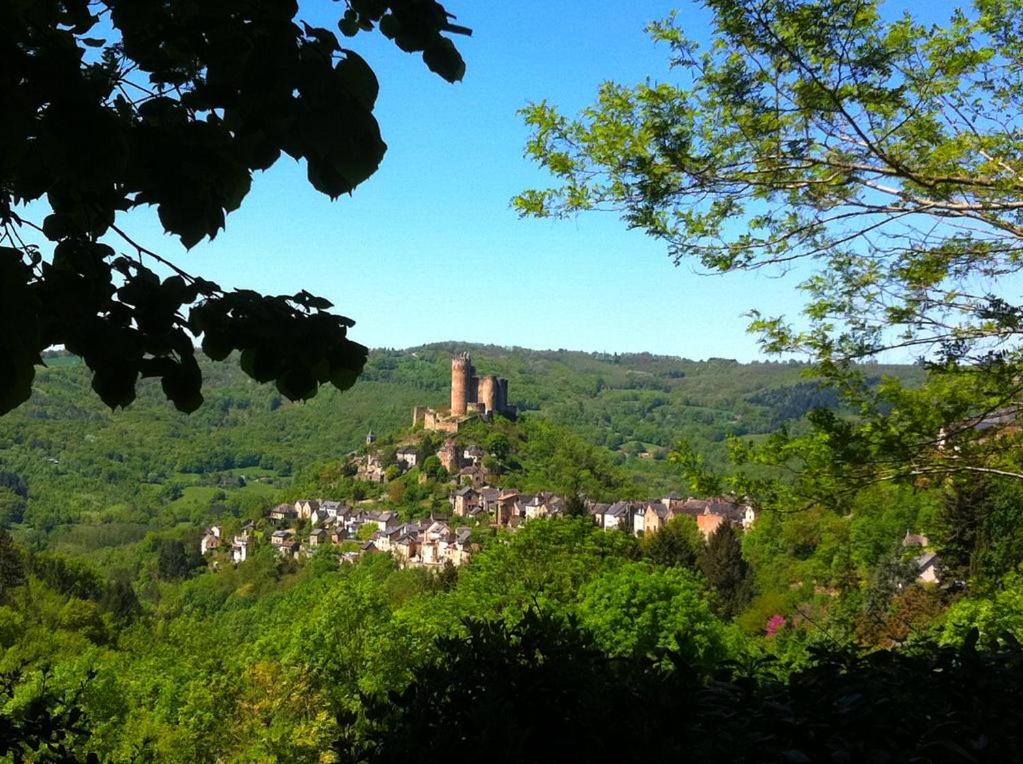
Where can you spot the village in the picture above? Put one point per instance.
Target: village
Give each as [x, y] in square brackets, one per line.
[300, 529]
[355, 528]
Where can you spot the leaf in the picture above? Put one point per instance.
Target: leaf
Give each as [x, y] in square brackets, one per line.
[357, 78]
[57, 226]
[183, 385]
[19, 331]
[443, 58]
[114, 383]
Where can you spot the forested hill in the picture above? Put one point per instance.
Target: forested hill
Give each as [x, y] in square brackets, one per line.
[124, 468]
[630, 402]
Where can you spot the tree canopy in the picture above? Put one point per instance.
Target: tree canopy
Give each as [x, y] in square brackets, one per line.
[877, 155]
[113, 105]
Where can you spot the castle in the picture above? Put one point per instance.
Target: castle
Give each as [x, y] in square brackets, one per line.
[470, 394]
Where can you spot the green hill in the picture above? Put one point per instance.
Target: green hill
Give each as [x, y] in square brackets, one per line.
[150, 466]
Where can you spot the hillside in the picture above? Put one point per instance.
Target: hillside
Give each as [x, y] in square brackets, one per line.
[149, 465]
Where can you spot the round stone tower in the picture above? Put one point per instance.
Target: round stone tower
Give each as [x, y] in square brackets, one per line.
[460, 373]
[488, 392]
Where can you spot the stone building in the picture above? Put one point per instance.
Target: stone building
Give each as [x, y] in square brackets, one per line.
[470, 393]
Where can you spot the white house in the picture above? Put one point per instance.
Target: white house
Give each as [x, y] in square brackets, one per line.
[407, 457]
[241, 548]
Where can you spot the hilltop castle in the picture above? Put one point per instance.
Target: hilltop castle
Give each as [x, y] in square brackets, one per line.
[470, 394]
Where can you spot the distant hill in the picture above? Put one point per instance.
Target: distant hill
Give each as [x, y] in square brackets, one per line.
[627, 402]
[128, 467]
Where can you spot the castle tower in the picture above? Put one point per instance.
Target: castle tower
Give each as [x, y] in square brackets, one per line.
[488, 392]
[461, 373]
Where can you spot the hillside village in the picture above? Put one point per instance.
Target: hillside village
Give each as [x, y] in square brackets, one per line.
[354, 528]
[358, 528]
[300, 529]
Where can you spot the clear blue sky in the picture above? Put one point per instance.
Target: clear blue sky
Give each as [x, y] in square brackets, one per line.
[429, 249]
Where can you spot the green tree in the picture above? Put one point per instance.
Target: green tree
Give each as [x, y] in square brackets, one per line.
[727, 571]
[979, 530]
[12, 565]
[882, 152]
[636, 609]
[433, 468]
[176, 107]
[678, 543]
[12, 507]
[172, 560]
[119, 598]
[366, 531]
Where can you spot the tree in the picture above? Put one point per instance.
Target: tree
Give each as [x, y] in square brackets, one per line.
[637, 609]
[979, 531]
[883, 154]
[120, 599]
[176, 107]
[172, 560]
[12, 507]
[12, 565]
[433, 468]
[575, 506]
[727, 571]
[678, 543]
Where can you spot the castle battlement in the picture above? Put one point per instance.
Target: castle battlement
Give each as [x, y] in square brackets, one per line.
[470, 394]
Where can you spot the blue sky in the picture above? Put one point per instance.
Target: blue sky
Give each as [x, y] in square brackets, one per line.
[429, 249]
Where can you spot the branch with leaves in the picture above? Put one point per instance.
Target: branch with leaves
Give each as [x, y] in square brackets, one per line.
[177, 110]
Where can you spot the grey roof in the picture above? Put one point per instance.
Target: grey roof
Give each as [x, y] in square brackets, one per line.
[925, 561]
[619, 508]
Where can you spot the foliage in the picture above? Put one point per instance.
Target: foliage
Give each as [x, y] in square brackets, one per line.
[979, 530]
[42, 728]
[727, 571]
[997, 618]
[635, 610]
[880, 151]
[12, 566]
[678, 543]
[539, 691]
[176, 108]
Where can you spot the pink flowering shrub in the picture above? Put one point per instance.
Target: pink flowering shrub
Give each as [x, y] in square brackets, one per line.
[774, 624]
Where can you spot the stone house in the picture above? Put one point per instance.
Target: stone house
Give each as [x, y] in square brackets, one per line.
[463, 500]
[505, 509]
[318, 537]
[927, 571]
[449, 456]
[211, 539]
[284, 513]
[407, 457]
[656, 515]
[617, 516]
[281, 537]
[384, 520]
[306, 508]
